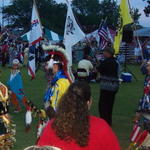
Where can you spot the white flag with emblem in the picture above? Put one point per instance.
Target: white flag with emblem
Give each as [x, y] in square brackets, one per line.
[73, 34]
[35, 37]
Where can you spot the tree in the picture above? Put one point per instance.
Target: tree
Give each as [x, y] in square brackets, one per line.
[136, 15]
[147, 8]
[92, 12]
[86, 7]
[88, 13]
[52, 15]
[110, 11]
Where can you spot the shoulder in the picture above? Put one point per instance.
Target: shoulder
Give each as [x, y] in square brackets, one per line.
[97, 121]
[101, 131]
[48, 127]
[45, 137]
[99, 126]
[87, 61]
[63, 81]
[113, 61]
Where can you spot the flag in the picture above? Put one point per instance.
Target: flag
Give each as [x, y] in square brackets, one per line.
[125, 18]
[110, 36]
[146, 142]
[34, 38]
[142, 137]
[135, 133]
[103, 36]
[73, 34]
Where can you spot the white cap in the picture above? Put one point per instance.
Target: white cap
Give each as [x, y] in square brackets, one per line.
[148, 62]
[16, 62]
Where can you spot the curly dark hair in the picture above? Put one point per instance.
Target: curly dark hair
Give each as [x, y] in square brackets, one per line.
[72, 117]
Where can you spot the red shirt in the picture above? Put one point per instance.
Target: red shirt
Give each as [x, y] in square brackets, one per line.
[101, 137]
[4, 48]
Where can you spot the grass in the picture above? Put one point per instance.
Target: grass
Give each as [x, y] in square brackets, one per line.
[124, 108]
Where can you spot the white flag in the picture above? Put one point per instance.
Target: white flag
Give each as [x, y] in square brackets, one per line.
[34, 38]
[73, 34]
[36, 28]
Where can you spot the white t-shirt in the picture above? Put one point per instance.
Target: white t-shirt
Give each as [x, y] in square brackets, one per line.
[85, 64]
[137, 51]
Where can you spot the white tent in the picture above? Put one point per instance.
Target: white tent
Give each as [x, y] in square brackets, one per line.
[144, 32]
[50, 35]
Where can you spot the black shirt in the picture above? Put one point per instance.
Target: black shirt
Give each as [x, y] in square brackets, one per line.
[109, 68]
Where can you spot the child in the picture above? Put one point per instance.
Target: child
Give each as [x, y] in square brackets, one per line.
[15, 85]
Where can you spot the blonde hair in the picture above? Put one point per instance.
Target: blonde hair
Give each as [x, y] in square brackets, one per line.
[42, 148]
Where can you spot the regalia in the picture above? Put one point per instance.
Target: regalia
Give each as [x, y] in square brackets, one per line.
[7, 128]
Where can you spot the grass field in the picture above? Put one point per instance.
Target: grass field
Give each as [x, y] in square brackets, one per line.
[124, 110]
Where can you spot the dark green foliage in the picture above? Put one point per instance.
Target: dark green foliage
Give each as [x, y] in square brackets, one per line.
[89, 14]
[147, 8]
[52, 15]
[136, 15]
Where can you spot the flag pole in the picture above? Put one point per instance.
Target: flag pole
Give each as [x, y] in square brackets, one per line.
[138, 41]
[137, 37]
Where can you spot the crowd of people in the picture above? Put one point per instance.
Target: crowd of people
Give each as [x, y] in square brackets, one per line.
[66, 120]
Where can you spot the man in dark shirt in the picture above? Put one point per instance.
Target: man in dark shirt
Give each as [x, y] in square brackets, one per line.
[109, 84]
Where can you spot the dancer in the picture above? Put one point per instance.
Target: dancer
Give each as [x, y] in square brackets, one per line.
[145, 101]
[15, 85]
[7, 129]
[61, 80]
[140, 137]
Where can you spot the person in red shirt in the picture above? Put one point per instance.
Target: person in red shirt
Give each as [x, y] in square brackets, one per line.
[4, 53]
[73, 128]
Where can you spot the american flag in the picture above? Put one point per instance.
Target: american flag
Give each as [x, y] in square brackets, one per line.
[103, 36]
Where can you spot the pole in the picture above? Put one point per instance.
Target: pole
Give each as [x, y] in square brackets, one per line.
[2, 13]
[137, 37]
[125, 63]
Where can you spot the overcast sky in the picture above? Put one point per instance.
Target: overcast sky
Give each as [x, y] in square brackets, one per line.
[144, 21]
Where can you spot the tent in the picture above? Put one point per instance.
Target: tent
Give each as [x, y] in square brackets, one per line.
[26, 36]
[144, 32]
[50, 35]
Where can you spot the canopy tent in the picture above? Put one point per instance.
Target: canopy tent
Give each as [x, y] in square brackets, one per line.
[26, 36]
[144, 32]
[50, 35]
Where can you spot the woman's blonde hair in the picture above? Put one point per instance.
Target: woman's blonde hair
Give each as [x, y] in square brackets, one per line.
[42, 148]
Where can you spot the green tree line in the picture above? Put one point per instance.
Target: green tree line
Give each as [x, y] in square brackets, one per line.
[89, 14]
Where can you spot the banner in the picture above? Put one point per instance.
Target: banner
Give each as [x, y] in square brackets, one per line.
[73, 34]
[34, 38]
[125, 18]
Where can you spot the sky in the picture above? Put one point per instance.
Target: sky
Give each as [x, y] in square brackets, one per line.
[144, 21]
[140, 4]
